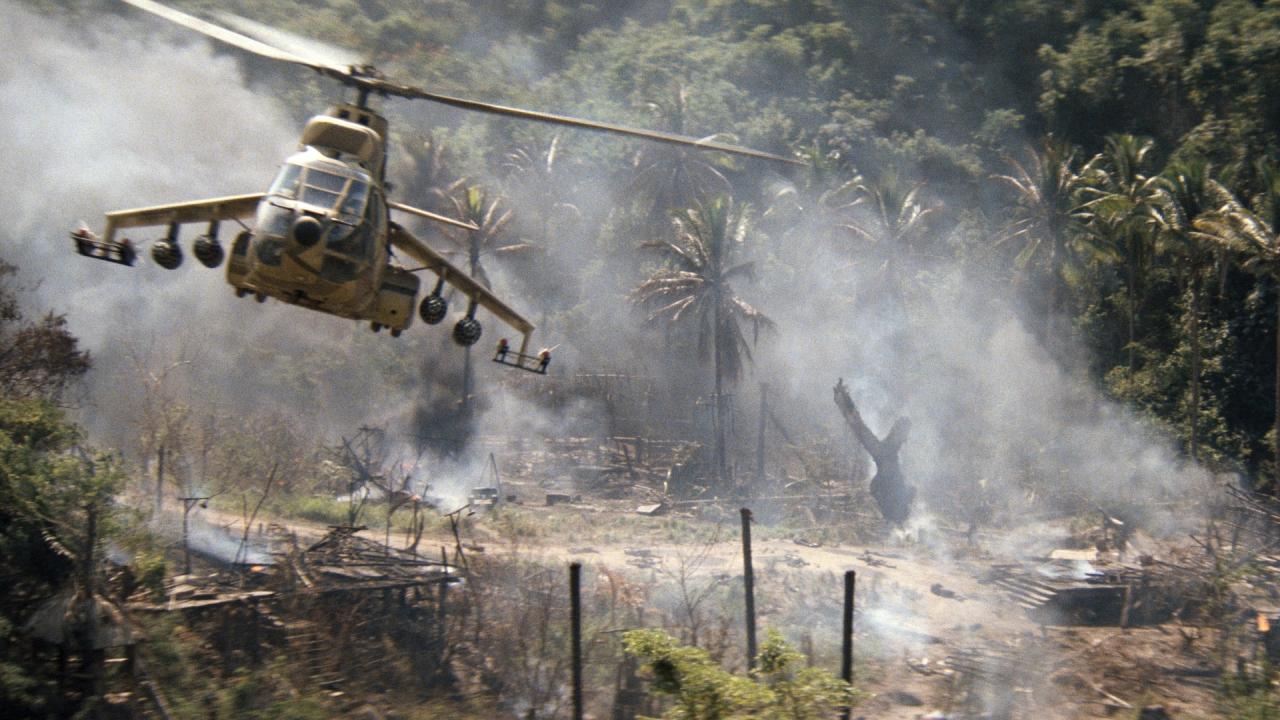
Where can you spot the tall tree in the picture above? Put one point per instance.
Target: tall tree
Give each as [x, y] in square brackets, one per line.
[669, 176]
[1181, 198]
[694, 289]
[535, 178]
[891, 228]
[489, 214]
[37, 359]
[1046, 228]
[1253, 231]
[1121, 195]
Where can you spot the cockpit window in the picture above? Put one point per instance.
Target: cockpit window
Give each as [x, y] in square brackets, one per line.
[287, 181]
[356, 195]
[322, 189]
[273, 220]
[325, 181]
[346, 194]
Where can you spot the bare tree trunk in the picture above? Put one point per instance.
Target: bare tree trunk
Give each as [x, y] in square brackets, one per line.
[1194, 448]
[468, 381]
[1275, 440]
[1051, 309]
[764, 414]
[1133, 307]
[90, 656]
[159, 479]
[718, 415]
[243, 550]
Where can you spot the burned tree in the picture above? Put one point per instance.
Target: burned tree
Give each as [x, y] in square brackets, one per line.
[892, 493]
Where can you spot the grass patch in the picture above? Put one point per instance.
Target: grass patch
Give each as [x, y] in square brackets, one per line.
[315, 508]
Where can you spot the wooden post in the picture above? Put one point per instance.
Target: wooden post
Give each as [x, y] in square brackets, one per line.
[186, 537]
[255, 632]
[846, 645]
[749, 589]
[575, 620]
[159, 479]
[1126, 605]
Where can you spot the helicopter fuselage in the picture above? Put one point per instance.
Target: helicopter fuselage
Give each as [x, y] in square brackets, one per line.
[319, 236]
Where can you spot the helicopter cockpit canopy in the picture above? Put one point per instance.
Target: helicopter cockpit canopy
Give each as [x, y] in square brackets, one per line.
[330, 187]
[334, 194]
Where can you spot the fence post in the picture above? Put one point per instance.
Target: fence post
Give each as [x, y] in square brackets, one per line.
[749, 586]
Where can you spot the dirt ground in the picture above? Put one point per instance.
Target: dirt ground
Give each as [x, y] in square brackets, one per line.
[935, 638]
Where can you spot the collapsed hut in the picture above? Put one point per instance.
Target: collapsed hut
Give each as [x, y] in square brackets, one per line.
[330, 605]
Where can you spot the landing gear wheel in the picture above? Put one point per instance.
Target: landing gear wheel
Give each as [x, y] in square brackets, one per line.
[260, 297]
[376, 327]
[395, 333]
[241, 292]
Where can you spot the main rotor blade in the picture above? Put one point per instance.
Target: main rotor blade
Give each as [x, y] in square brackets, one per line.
[656, 135]
[230, 37]
[303, 47]
[369, 80]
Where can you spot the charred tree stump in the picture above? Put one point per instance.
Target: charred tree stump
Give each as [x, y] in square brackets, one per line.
[891, 492]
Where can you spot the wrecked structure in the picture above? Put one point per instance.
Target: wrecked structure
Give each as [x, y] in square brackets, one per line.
[331, 604]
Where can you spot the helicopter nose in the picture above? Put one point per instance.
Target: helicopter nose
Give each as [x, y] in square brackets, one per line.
[306, 231]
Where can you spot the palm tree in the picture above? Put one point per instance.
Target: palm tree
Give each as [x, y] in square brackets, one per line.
[1181, 198]
[473, 203]
[1118, 212]
[694, 289]
[820, 201]
[1047, 226]
[670, 176]
[534, 178]
[807, 217]
[1254, 232]
[892, 226]
[432, 173]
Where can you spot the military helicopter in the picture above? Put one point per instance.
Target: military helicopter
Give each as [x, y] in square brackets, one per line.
[321, 236]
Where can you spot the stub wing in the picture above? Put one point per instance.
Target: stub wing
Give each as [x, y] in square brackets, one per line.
[434, 217]
[477, 293]
[221, 208]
